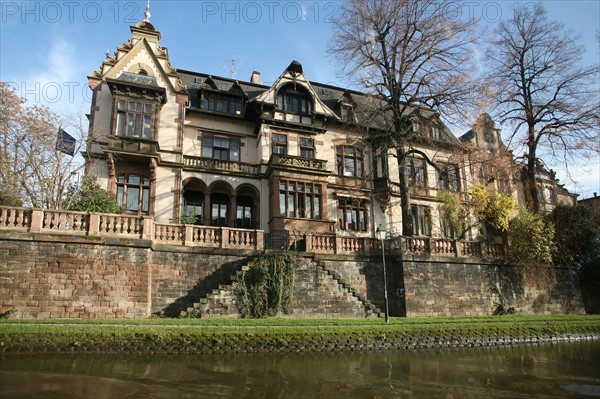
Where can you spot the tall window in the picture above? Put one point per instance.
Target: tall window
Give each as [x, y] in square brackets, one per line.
[350, 161]
[221, 148]
[307, 147]
[218, 214]
[434, 132]
[193, 206]
[503, 183]
[293, 101]
[449, 177]
[243, 218]
[549, 195]
[134, 119]
[414, 169]
[279, 144]
[222, 103]
[299, 200]
[352, 214]
[133, 193]
[421, 220]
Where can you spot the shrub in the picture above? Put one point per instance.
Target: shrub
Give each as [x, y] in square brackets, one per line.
[90, 197]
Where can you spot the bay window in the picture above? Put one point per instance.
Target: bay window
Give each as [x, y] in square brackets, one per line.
[299, 200]
[134, 119]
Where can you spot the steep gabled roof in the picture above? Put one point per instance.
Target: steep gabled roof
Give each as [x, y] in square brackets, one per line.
[368, 109]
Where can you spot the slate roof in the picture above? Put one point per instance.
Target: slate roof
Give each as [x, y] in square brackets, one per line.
[367, 108]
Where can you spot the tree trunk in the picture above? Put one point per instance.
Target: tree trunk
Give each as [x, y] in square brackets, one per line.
[530, 186]
[407, 216]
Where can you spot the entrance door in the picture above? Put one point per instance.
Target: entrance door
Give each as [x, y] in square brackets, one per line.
[219, 205]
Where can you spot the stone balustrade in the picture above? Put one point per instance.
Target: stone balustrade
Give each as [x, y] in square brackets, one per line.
[144, 227]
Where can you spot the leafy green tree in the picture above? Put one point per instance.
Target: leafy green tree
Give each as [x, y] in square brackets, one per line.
[532, 247]
[482, 206]
[9, 199]
[90, 197]
[531, 240]
[575, 231]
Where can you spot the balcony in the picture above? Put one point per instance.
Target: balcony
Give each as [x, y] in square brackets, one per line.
[55, 222]
[293, 162]
[133, 145]
[219, 165]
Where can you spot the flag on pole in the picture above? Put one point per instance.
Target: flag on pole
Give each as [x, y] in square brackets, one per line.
[65, 142]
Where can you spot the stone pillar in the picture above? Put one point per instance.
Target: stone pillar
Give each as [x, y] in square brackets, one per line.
[37, 221]
[189, 235]
[260, 240]
[232, 211]
[207, 209]
[94, 224]
[148, 228]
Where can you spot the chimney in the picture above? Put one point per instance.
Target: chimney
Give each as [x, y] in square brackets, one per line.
[255, 78]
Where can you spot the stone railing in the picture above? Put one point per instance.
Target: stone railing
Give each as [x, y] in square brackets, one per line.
[324, 244]
[144, 227]
[221, 165]
[298, 162]
[127, 226]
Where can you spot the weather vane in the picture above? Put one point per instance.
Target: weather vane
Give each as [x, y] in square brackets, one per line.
[147, 12]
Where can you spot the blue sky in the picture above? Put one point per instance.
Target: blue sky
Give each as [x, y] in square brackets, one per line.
[48, 48]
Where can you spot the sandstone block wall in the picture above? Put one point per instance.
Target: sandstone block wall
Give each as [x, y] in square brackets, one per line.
[445, 288]
[67, 280]
[50, 276]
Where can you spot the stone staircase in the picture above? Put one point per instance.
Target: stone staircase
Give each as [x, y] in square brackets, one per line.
[222, 300]
[369, 308]
[318, 293]
[218, 282]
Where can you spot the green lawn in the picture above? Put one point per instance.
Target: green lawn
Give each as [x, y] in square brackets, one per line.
[282, 334]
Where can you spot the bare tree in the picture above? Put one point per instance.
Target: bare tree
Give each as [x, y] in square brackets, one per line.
[416, 61]
[540, 89]
[32, 171]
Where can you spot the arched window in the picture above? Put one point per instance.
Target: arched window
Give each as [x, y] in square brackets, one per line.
[193, 206]
[294, 100]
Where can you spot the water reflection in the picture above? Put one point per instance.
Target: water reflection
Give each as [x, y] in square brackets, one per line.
[545, 371]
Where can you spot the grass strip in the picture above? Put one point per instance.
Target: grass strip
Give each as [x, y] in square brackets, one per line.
[252, 335]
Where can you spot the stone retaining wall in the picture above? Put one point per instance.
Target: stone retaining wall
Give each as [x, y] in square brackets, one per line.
[44, 276]
[445, 288]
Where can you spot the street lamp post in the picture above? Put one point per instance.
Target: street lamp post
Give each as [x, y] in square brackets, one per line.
[381, 235]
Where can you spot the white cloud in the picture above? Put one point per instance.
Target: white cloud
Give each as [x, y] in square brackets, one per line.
[56, 82]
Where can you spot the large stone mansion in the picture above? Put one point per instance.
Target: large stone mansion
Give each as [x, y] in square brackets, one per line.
[294, 157]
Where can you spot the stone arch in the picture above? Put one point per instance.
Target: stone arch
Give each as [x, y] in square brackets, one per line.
[247, 206]
[221, 207]
[193, 201]
[142, 69]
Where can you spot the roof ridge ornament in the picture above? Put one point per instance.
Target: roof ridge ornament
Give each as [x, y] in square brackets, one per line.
[147, 12]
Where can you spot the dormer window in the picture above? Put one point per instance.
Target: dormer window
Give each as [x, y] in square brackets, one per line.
[222, 103]
[347, 113]
[434, 132]
[293, 101]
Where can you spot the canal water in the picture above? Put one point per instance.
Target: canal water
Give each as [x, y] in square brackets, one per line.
[561, 370]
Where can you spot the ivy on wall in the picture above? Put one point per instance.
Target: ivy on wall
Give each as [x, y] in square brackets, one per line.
[266, 289]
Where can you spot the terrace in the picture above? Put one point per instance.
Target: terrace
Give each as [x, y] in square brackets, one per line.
[145, 228]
